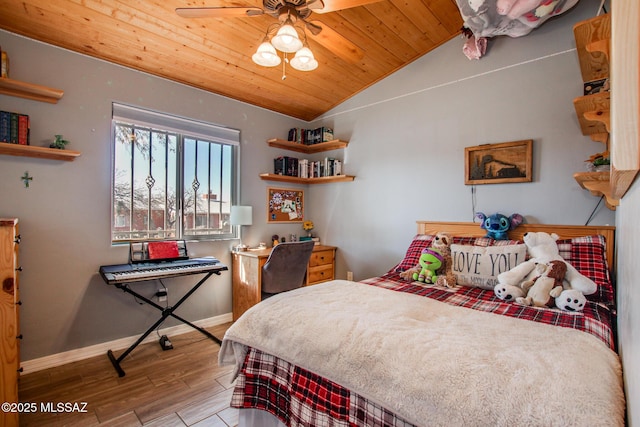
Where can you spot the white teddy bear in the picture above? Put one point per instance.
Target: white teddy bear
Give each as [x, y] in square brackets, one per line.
[542, 249]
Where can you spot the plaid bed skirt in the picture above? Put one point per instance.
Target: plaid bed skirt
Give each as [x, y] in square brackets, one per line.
[301, 398]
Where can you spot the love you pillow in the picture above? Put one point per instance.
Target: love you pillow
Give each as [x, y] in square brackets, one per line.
[479, 266]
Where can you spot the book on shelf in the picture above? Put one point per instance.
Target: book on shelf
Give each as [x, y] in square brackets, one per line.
[285, 165]
[23, 129]
[4, 64]
[5, 126]
[14, 128]
[310, 136]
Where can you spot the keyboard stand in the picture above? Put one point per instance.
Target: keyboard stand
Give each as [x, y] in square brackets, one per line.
[166, 312]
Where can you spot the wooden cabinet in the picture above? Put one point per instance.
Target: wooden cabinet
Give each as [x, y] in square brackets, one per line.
[247, 274]
[9, 315]
[593, 111]
[307, 149]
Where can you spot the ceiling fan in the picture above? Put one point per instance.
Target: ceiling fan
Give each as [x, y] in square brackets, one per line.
[289, 12]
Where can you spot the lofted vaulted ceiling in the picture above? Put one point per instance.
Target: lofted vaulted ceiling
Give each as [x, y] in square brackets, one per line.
[357, 47]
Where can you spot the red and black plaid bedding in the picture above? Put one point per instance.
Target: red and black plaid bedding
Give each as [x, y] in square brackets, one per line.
[301, 398]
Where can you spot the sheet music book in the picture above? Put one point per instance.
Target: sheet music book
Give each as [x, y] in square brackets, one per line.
[158, 251]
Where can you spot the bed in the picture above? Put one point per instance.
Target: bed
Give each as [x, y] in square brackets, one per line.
[390, 352]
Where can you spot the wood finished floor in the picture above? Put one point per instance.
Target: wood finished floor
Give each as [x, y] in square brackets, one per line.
[179, 387]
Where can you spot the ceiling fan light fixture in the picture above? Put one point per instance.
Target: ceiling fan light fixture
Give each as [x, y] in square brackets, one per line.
[266, 55]
[287, 40]
[304, 60]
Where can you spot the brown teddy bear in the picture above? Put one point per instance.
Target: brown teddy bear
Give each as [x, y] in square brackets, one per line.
[542, 291]
[442, 242]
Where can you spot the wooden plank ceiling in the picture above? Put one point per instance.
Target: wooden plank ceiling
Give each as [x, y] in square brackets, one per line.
[357, 47]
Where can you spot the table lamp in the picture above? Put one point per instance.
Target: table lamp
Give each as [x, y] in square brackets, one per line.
[241, 215]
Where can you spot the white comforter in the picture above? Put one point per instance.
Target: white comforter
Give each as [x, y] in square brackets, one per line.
[435, 364]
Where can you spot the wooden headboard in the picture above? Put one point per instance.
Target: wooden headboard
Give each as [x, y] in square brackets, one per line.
[472, 229]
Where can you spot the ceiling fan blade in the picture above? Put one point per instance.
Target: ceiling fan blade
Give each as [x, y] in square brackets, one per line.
[218, 12]
[314, 5]
[336, 43]
[334, 5]
[313, 28]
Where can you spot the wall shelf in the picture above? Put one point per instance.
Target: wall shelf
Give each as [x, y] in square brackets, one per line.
[38, 152]
[592, 44]
[308, 149]
[593, 113]
[296, 180]
[29, 91]
[599, 185]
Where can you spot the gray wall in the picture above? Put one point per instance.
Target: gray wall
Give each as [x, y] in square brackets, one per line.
[408, 133]
[65, 213]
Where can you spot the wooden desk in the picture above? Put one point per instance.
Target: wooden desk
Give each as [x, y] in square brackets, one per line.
[247, 274]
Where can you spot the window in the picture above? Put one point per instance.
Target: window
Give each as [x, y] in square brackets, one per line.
[173, 178]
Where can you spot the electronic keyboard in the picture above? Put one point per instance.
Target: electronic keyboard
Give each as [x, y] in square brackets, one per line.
[124, 273]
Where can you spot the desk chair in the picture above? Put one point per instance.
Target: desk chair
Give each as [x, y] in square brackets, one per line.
[286, 267]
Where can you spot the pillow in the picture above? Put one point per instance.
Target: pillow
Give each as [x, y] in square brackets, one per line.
[478, 266]
[588, 255]
[410, 260]
[421, 241]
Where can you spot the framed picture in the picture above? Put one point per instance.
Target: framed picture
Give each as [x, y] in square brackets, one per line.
[498, 163]
[285, 205]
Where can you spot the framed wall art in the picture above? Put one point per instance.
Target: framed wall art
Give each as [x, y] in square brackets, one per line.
[285, 205]
[498, 163]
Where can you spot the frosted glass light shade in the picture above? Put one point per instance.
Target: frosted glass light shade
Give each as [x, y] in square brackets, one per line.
[287, 40]
[304, 60]
[241, 215]
[266, 56]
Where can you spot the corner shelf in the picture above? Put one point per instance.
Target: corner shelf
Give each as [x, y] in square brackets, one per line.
[38, 152]
[307, 149]
[296, 180]
[593, 45]
[335, 144]
[593, 113]
[29, 91]
[598, 184]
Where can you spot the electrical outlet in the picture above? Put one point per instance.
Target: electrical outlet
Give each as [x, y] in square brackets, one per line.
[349, 275]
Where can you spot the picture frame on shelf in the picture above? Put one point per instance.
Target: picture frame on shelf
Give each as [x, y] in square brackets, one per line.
[505, 162]
[285, 205]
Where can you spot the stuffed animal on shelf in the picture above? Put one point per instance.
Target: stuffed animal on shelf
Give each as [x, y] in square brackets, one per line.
[571, 300]
[542, 291]
[430, 261]
[497, 224]
[442, 242]
[542, 249]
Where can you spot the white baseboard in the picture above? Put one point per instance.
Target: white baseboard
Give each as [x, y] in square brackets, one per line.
[58, 359]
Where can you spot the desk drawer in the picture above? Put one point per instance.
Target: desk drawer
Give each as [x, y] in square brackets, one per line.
[321, 258]
[320, 273]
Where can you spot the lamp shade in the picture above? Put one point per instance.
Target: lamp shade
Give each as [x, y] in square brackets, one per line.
[304, 60]
[241, 215]
[266, 55]
[287, 40]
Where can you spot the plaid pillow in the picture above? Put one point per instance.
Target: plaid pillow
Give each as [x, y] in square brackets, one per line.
[410, 260]
[587, 254]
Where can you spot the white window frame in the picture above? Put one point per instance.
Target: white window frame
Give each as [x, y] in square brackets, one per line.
[186, 130]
